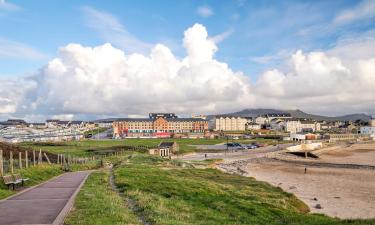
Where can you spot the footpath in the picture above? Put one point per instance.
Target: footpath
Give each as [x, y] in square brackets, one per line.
[47, 203]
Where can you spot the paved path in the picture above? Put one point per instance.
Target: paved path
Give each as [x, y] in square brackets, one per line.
[44, 204]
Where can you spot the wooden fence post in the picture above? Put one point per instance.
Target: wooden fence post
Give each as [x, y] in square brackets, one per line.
[34, 157]
[20, 160]
[45, 155]
[1, 163]
[40, 160]
[27, 159]
[11, 162]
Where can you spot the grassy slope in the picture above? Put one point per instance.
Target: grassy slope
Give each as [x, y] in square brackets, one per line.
[79, 148]
[37, 175]
[98, 204]
[168, 194]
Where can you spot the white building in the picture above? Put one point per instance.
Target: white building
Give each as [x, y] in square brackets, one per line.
[368, 130]
[253, 126]
[267, 118]
[295, 126]
[231, 123]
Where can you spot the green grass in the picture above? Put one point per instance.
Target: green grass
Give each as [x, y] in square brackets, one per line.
[170, 194]
[97, 203]
[89, 147]
[37, 175]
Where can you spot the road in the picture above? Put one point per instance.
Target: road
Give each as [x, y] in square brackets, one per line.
[231, 155]
[103, 135]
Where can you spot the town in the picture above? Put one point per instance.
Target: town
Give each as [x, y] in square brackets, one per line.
[237, 112]
[168, 125]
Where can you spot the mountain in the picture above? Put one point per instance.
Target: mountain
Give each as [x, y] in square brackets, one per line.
[298, 114]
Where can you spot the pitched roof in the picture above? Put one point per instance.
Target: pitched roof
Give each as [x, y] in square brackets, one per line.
[166, 144]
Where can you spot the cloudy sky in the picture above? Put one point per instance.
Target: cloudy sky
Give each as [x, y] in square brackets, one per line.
[94, 59]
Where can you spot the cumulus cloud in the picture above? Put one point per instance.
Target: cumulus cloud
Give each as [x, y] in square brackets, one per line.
[328, 82]
[205, 11]
[104, 80]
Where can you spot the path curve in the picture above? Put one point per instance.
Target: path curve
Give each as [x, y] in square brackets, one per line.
[47, 203]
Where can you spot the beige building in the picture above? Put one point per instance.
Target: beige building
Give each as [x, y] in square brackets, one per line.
[295, 126]
[347, 137]
[158, 126]
[231, 123]
[372, 122]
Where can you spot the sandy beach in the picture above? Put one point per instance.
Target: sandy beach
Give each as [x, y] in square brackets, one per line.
[337, 192]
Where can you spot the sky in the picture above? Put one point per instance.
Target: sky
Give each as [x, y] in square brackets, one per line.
[95, 59]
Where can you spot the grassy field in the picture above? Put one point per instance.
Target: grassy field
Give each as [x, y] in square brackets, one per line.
[98, 204]
[37, 175]
[90, 147]
[167, 192]
[175, 192]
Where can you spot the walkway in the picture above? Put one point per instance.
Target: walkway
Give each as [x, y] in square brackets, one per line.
[47, 203]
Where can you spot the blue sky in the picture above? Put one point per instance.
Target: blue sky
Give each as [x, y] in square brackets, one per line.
[317, 56]
[258, 33]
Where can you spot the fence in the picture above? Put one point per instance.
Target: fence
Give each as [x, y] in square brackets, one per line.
[13, 161]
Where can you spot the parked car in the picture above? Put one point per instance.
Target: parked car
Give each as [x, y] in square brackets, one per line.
[252, 146]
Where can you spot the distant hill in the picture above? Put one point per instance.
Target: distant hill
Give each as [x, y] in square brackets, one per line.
[298, 114]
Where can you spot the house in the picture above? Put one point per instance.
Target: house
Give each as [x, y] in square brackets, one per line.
[165, 149]
[38, 125]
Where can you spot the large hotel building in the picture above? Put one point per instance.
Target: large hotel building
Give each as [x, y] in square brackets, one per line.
[158, 125]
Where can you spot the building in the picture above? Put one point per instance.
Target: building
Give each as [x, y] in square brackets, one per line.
[253, 126]
[231, 123]
[372, 122]
[368, 130]
[162, 115]
[267, 118]
[165, 149]
[347, 137]
[14, 123]
[158, 125]
[296, 126]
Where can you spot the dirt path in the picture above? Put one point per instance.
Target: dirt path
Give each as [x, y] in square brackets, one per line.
[47, 203]
[130, 203]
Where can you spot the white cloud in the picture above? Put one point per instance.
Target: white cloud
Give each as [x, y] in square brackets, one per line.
[12, 49]
[8, 6]
[205, 11]
[113, 31]
[222, 36]
[326, 82]
[364, 10]
[105, 80]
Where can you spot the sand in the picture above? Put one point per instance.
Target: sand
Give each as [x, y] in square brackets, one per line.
[343, 193]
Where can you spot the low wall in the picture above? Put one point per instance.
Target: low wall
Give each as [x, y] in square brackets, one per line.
[303, 147]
